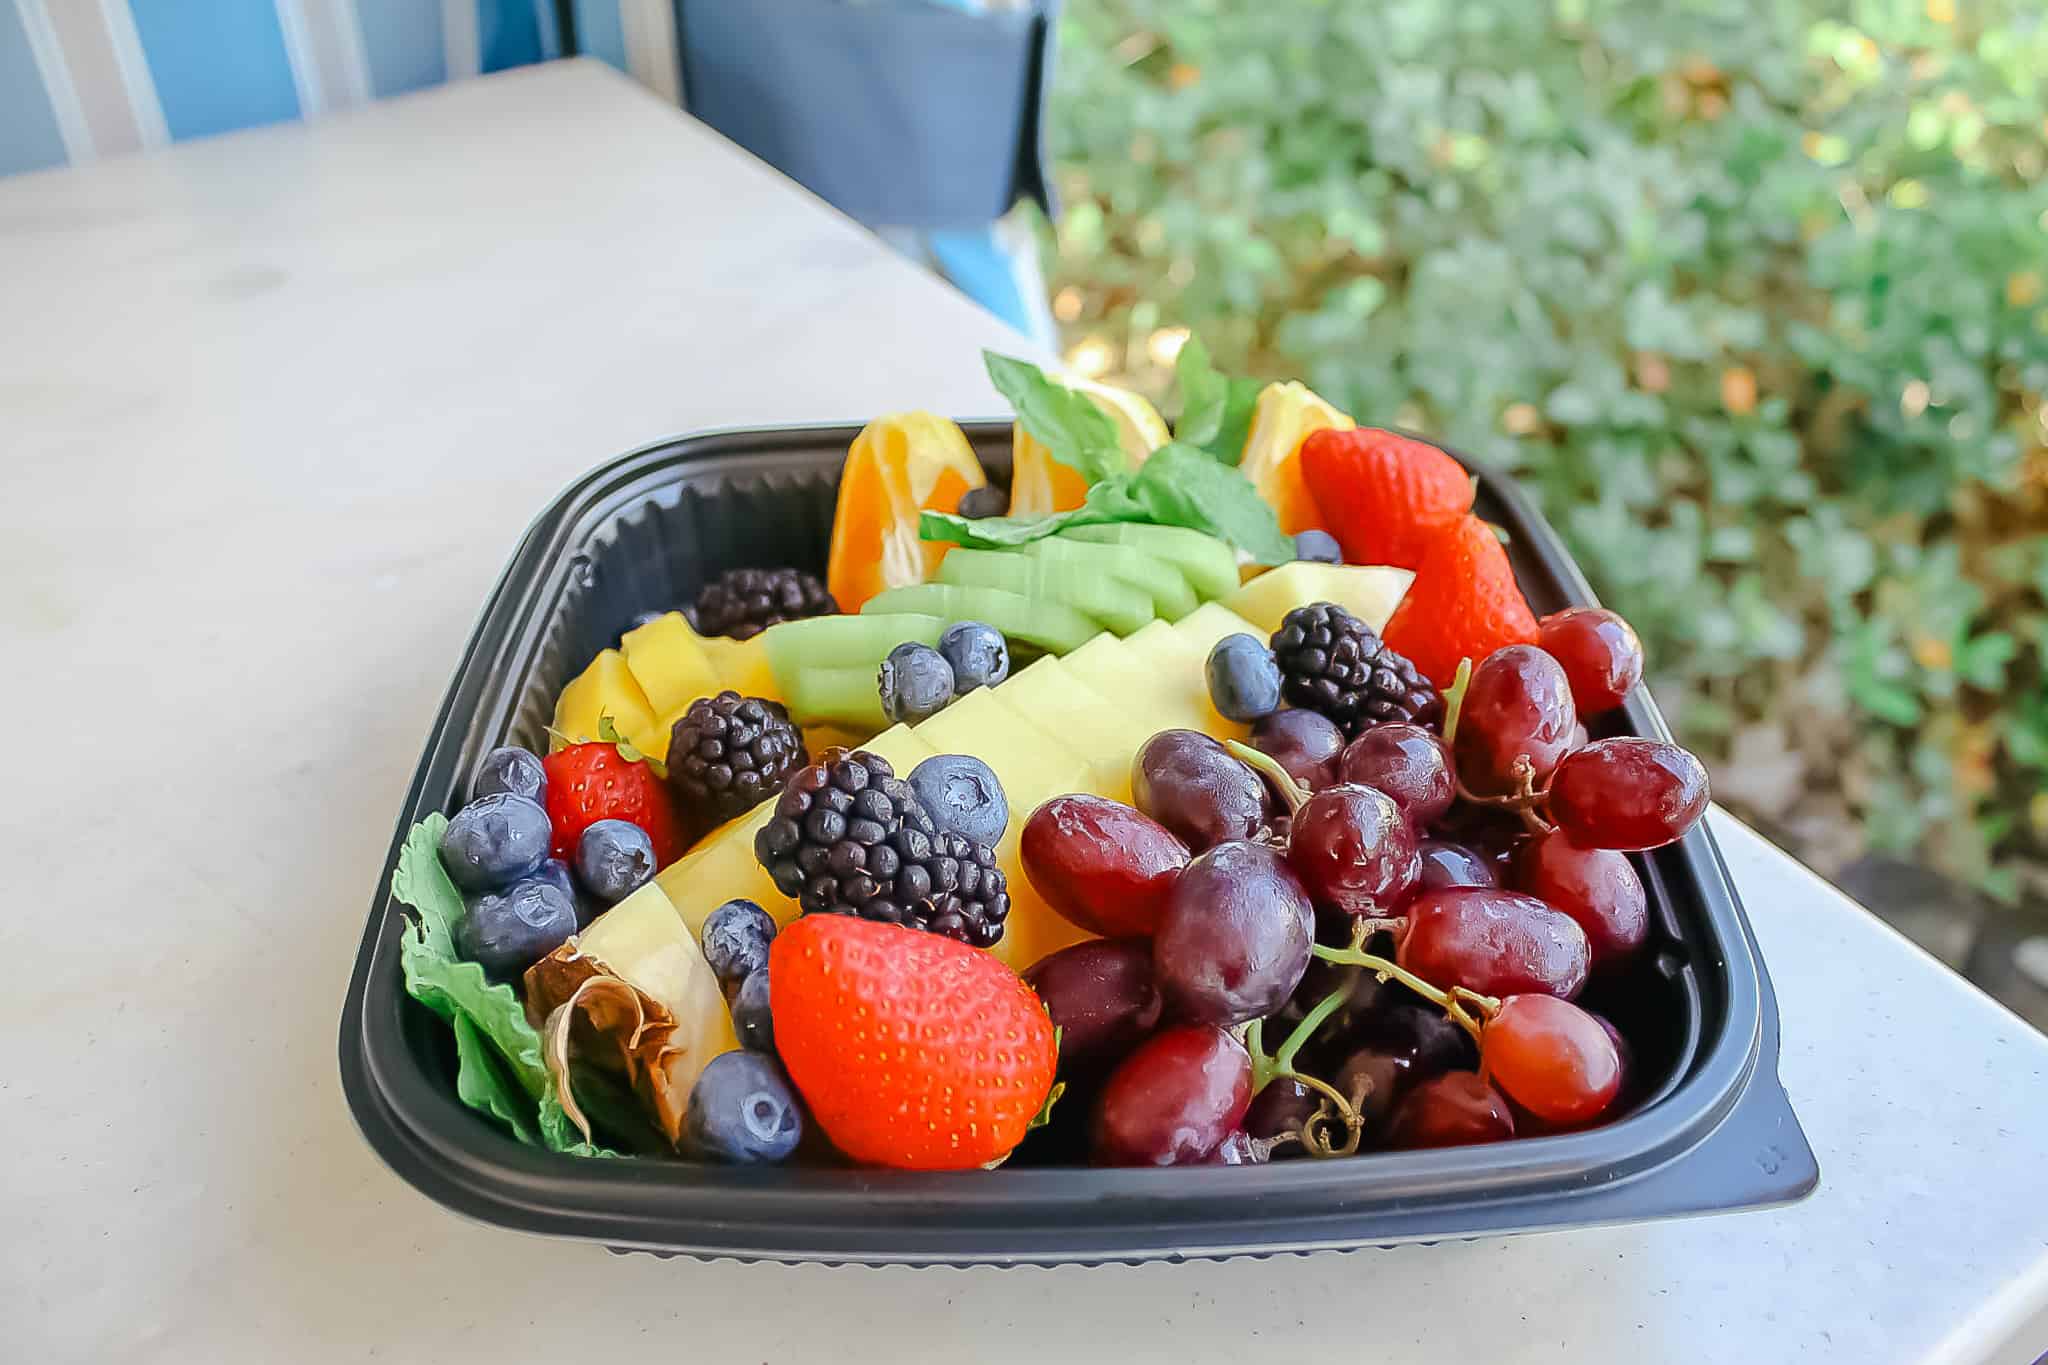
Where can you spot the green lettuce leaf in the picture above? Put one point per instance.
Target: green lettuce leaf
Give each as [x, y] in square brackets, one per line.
[499, 1070]
[1079, 435]
[482, 1082]
[1216, 409]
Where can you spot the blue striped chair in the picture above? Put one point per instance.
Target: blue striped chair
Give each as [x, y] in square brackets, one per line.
[81, 80]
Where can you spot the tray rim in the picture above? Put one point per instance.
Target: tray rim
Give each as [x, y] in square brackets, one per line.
[429, 1139]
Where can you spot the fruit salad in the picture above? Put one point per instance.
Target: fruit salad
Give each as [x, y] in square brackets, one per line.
[1204, 796]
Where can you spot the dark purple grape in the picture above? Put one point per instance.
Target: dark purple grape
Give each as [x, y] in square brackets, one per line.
[1373, 1079]
[1190, 784]
[1101, 997]
[1493, 942]
[1173, 1101]
[1519, 705]
[1448, 864]
[1419, 1033]
[1599, 652]
[1235, 938]
[1279, 1110]
[1408, 763]
[1352, 849]
[1306, 743]
[1597, 887]
[1630, 794]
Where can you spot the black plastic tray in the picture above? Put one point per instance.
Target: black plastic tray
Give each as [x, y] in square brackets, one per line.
[1713, 1131]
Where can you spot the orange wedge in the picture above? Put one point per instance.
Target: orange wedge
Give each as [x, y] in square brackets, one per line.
[1282, 420]
[898, 467]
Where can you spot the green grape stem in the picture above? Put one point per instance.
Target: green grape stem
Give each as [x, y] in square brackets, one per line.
[1452, 1002]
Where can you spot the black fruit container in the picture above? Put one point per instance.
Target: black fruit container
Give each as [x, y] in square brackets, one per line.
[1711, 1131]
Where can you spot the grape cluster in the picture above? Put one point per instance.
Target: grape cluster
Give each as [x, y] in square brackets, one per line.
[1406, 915]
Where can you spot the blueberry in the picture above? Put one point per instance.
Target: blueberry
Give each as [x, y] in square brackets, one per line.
[1318, 547]
[494, 841]
[1244, 678]
[962, 794]
[511, 770]
[735, 940]
[556, 872]
[751, 1021]
[743, 1111]
[505, 932]
[916, 683]
[978, 653]
[985, 501]
[614, 858]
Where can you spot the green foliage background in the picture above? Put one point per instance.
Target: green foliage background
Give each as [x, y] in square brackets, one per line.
[1754, 298]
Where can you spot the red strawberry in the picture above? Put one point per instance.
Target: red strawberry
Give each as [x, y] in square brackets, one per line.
[1464, 603]
[1383, 496]
[608, 780]
[912, 1050]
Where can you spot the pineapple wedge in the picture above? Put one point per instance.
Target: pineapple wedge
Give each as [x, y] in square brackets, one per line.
[606, 688]
[667, 659]
[1369, 592]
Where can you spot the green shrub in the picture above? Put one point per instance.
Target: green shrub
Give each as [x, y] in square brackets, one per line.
[1755, 303]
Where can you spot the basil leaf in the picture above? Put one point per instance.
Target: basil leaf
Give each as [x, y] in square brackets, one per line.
[1216, 410]
[1079, 435]
[1180, 485]
[991, 533]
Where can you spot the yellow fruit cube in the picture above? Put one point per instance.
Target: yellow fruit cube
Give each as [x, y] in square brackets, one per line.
[1024, 757]
[1368, 591]
[741, 665]
[902, 746]
[669, 663]
[1055, 701]
[606, 688]
[721, 867]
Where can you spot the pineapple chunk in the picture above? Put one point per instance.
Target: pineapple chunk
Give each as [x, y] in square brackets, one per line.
[722, 867]
[742, 665]
[1369, 592]
[1211, 622]
[606, 688]
[902, 746]
[669, 663]
[1055, 701]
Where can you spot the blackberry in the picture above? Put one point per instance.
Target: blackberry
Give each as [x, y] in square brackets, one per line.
[728, 754]
[1332, 662]
[744, 602]
[849, 837]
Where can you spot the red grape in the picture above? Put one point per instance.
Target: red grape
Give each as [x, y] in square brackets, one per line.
[1445, 863]
[1630, 794]
[1101, 997]
[1101, 864]
[1597, 887]
[1352, 849]
[1517, 706]
[1173, 1101]
[1406, 762]
[1235, 938]
[1599, 652]
[1451, 1110]
[1622, 1049]
[1190, 784]
[1552, 1058]
[1305, 743]
[1493, 942]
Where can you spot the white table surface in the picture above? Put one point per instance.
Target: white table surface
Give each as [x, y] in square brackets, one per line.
[273, 411]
